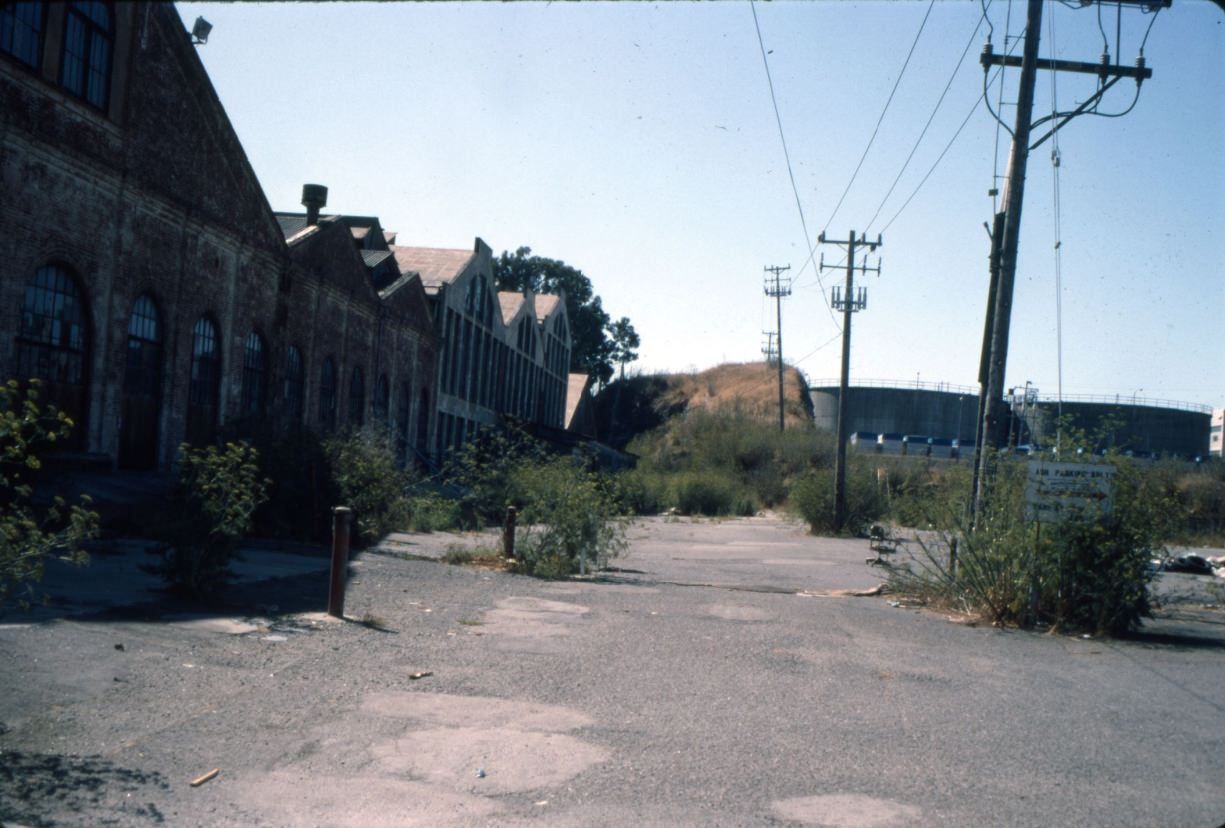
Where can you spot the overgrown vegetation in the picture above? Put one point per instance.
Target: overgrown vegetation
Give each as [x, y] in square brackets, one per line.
[1087, 572]
[720, 462]
[31, 533]
[217, 493]
[363, 467]
[569, 518]
[813, 498]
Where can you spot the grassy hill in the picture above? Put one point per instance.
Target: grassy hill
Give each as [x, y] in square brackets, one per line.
[637, 404]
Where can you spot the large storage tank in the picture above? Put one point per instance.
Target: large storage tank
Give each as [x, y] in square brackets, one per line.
[935, 410]
[1145, 426]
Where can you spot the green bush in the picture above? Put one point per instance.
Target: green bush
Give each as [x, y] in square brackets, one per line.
[212, 506]
[483, 471]
[30, 534]
[433, 513]
[364, 469]
[925, 494]
[709, 493]
[1088, 572]
[750, 455]
[569, 520]
[812, 496]
[641, 492]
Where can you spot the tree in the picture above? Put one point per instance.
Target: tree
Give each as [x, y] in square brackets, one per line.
[591, 352]
[31, 533]
[624, 341]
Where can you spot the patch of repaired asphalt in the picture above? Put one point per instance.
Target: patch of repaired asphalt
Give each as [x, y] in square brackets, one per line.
[837, 810]
[364, 801]
[228, 626]
[531, 624]
[512, 761]
[520, 746]
[420, 756]
[736, 612]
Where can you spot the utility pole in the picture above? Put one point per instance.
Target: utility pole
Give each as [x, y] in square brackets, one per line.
[767, 349]
[1005, 231]
[848, 303]
[778, 288]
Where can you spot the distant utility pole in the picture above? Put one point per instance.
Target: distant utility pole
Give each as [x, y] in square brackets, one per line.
[1005, 231]
[767, 349]
[778, 287]
[848, 303]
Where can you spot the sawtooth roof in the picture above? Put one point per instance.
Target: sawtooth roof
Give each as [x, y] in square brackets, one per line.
[437, 265]
[510, 304]
[546, 303]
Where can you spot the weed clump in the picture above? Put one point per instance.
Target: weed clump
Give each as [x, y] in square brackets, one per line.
[1089, 572]
[217, 493]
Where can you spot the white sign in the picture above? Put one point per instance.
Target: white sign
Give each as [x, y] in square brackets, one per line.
[1055, 490]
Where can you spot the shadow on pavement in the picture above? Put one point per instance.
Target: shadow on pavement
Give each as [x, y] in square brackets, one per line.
[35, 785]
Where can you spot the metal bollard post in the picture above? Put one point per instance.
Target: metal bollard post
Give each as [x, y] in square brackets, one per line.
[508, 532]
[340, 560]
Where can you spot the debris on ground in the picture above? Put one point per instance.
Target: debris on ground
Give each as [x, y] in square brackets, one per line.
[204, 777]
[421, 675]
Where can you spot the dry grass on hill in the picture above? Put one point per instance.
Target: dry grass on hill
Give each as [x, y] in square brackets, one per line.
[640, 403]
[750, 387]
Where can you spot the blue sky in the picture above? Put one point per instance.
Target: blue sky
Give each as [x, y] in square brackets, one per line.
[637, 141]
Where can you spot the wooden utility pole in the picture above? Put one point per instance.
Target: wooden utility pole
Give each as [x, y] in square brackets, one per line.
[1005, 235]
[848, 303]
[778, 288]
[1004, 244]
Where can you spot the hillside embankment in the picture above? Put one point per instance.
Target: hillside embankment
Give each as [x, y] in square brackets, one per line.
[628, 407]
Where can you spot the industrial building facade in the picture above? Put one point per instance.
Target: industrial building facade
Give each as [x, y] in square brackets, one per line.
[506, 354]
[145, 280]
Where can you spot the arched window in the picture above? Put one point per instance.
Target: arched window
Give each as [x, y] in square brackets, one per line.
[293, 384]
[327, 396]
[21, 31]
[204, 391]
[142, 387]
[382, 399]
[254, 376]
[357, 398]
[85, 67]
[53, 344]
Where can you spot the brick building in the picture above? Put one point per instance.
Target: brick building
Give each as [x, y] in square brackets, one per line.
[144, 277]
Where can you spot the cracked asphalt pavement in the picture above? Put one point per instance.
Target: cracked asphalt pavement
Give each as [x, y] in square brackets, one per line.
[720, 675]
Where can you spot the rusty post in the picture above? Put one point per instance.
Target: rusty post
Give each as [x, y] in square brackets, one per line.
[508, 532]
[340, 560]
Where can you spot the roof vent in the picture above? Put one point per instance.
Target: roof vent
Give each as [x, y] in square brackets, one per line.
[314, 198]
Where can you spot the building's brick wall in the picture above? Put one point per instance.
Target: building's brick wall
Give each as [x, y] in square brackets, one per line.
[155, 196]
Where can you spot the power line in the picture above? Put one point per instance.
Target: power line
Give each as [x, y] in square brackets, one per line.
[823, 345]
[881, 119]
[932, 169]
[1056, 160]
[932, 117]
[787, 155]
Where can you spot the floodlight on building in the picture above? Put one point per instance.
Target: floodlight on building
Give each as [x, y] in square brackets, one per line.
[200, 30]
